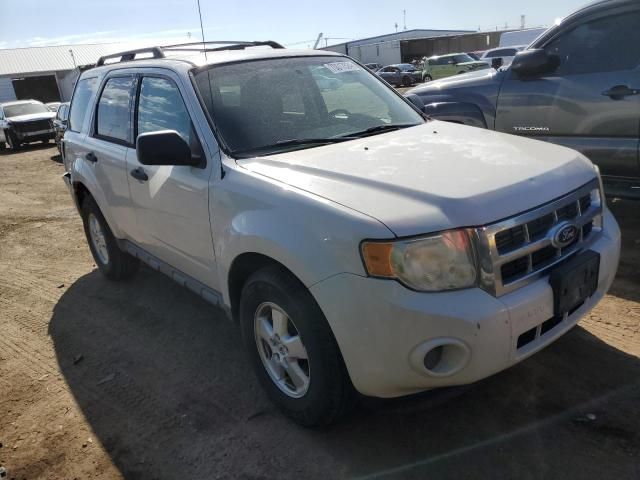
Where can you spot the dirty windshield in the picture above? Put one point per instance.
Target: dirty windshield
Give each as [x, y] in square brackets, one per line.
[269, 105]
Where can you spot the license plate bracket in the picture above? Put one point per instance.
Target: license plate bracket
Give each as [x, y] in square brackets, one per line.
[574, 281]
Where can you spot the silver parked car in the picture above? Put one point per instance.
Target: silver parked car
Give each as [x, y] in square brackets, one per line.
[360, 246]
[401, 74]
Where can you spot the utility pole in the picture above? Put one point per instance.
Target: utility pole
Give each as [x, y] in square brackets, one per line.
[522, 22]
[396, 27]
[73, 58]
[315, 45]
[404, 14]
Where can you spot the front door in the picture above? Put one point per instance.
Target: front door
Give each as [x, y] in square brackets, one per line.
[592, 101]
[172, 203]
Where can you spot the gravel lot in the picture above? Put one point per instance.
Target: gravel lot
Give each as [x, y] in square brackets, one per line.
[144, 380]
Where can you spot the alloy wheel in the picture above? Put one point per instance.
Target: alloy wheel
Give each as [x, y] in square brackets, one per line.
[98, 239]
[281, 350]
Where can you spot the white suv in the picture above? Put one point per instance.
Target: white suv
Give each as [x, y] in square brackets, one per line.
[360, 246]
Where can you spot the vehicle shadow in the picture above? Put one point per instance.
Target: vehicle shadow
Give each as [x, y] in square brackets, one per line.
[162, 379]
[628, 277]
[27, 147]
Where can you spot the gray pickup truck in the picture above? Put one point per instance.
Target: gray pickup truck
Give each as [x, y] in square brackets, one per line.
[577, 85]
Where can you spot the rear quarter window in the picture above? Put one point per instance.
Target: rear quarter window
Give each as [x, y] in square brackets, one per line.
[83, 93]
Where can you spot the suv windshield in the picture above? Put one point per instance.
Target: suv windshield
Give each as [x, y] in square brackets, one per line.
[24, 109]
[268, 106]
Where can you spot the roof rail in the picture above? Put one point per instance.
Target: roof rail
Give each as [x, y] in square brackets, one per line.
[158, 52]
[131, 55]
[230, 45]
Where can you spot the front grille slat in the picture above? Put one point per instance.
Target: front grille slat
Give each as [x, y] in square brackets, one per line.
[520, 249]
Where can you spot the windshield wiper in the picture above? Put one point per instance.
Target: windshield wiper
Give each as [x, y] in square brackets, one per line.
[379, 129]
[293, 143]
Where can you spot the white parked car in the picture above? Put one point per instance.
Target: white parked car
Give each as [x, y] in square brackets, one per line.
[25, 121]
[360, 246]
[504, 55]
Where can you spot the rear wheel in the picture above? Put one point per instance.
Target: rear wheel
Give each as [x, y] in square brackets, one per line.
[112, 262]
[427, 78]
[292, 349]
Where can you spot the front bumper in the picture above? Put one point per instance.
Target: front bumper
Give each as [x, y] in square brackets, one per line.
[36, 136]
[384, 329]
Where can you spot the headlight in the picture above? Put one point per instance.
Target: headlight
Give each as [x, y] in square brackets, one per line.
[444, 261]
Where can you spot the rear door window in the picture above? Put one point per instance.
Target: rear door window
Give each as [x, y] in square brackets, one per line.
[113, 119]
[83, 93]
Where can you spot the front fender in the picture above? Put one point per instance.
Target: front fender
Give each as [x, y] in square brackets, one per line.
[458, 112]
[313, 237]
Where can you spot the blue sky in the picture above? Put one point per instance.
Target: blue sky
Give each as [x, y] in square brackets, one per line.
[58, 22]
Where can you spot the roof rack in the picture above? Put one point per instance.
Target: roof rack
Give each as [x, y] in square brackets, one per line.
[230, 45]
[131, 55]
[158, 52]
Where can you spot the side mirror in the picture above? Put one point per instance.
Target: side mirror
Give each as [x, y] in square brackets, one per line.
[416, 100]
[534, 62]
[496, 63]
[165, 147]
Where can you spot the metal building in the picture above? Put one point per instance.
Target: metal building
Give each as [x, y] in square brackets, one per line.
[386, 49]
[47, 74]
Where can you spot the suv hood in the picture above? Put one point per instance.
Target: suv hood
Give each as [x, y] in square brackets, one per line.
[432, 177]
[31, 117]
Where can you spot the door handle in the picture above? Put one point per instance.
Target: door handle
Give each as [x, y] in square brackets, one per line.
[139, 174]
[91, 157]
[620, 91]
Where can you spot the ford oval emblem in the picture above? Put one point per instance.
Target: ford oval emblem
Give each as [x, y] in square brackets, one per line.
[565, 235]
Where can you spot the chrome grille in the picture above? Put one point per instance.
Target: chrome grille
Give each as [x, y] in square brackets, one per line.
[518, 250]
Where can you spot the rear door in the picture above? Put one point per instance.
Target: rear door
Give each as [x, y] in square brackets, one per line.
[591, 101]
[172, 204]
[108, 142]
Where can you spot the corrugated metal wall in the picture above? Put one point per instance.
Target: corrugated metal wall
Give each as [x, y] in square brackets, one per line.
[427, 47]
[6, 90]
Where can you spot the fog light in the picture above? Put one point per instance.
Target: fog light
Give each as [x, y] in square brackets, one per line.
[440, 357]
[432, 358]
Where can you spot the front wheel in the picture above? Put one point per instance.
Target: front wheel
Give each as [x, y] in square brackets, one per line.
[292, 349]
[427, 78]
[112, 262]
[12, 140]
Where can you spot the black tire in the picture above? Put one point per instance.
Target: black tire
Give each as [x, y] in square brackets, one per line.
[118, 265]
[12, 140]
[461, 72]
[427, 78]
[46, 141]
[3, 146]
[330, 393]
[406, 82]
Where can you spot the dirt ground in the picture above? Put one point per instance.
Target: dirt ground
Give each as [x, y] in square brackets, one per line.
[144, 380]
